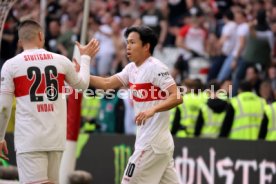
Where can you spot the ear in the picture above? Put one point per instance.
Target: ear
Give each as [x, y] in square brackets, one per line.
[147, 47]
[40, 36]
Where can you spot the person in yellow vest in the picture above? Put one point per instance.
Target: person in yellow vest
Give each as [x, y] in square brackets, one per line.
[89, 113]
[244, 115]
[90, 108]
[172, 117]
[187, 112]
[212, 113]
[268, 126]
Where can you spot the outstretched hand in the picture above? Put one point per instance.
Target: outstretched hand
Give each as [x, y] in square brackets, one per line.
[141, 118]
[90, 49]
[3, 150]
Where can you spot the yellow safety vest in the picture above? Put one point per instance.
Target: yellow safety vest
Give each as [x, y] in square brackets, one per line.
[212, 122]
[172, 115]
[189, 110]
[270, 111]
[249, 110]
[90, 109]
[223, 96]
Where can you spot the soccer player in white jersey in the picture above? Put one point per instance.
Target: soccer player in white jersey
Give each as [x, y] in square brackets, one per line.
[154, 92]
[36, 78]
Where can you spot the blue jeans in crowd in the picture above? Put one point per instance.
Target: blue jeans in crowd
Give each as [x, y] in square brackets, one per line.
[225, 71]
[239, 74]
[216, 64]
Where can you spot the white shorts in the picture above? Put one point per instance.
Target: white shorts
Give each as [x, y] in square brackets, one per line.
[146, 166]
[38, 167]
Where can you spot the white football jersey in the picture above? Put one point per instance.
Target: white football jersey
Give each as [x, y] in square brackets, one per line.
[36, 77]
[147, 84]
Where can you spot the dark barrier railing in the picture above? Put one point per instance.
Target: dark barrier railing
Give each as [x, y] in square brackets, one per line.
[197, 161]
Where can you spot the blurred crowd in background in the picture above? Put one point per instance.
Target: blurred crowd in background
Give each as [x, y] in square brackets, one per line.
[235, 38]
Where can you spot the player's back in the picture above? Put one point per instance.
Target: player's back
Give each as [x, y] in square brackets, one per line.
[38, 77]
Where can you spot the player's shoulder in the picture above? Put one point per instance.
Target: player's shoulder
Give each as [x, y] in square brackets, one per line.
[9, 61]
[61, 59]
[12, 61]
[58, 56]
[156, 64]
[130, 66]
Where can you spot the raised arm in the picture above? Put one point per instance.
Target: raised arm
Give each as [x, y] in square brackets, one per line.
[105, 83]
[116, 81]
[80, 80]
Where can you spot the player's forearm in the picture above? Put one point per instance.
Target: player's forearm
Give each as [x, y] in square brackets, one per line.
[172, 101]
[100, 82]
[84, 73]
[5, 112]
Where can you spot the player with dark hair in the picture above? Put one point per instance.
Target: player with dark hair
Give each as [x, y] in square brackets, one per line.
[154, 92]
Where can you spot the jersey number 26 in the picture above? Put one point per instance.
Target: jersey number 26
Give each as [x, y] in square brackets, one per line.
[50, 77]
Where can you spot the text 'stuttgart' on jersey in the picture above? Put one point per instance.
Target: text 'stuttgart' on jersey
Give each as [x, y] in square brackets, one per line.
[36, 78]
[148, 83]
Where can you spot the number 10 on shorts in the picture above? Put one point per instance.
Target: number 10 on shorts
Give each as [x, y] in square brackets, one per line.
[130, 169]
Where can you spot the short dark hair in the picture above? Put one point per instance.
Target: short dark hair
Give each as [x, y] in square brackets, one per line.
[255, 69]
[146, 34]
[245, 86]
[213, 84]
[229, 14]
